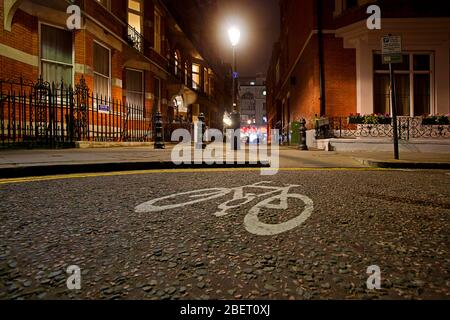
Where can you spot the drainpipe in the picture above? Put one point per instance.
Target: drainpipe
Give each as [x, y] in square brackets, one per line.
[321, 57]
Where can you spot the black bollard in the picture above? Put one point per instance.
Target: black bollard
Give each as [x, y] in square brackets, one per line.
[159, 137]
[302, 136]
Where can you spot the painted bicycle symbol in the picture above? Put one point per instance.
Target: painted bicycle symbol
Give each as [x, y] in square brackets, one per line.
[278, 200]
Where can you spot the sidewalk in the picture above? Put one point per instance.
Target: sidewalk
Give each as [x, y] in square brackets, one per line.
[14, 163]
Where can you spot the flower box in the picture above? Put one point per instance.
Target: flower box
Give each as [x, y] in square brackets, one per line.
[369, 119]
[436, 121]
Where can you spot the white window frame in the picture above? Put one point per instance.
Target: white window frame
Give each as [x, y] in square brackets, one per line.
[411, 72]
[50, 61]
[101, 75]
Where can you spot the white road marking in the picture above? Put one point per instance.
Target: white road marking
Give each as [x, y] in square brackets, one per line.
[280, 195]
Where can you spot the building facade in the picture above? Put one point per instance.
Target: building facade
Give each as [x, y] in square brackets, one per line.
[133, 51]
[327, 62]
[252, 105]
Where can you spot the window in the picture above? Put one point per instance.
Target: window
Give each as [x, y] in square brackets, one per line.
[157, 93]
[186, 73]
[277, 71]
[205, 80]
[212, 87]
[56, 55]
[157, 32]
[102, 71]
[135, 14]
[135, 89]
[177, 63]
[196, 76]
[413, 85]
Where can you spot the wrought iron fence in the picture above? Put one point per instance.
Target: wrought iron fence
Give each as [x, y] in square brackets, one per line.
[135, 39]
[408, 128]
[50, 115]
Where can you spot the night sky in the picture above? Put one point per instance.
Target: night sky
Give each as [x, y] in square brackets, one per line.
[259, 24]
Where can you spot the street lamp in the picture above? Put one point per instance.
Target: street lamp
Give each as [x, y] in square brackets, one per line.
[235, 35]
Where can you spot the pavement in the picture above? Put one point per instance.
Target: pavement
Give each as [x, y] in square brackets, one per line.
[20, 163]
[313, 235]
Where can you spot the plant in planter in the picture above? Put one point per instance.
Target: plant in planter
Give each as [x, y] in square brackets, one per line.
[370, 119]
[436, 120]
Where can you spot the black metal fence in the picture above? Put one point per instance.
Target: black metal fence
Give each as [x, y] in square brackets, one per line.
[408, 128]
[50, 115]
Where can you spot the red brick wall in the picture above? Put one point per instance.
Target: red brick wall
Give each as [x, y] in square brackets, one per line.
[24, 37]
[340, 77]
[304, 99]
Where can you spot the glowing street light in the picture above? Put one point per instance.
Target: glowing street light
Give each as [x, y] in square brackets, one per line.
[235, 36]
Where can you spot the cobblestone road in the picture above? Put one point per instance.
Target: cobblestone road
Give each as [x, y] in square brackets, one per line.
[398, 220]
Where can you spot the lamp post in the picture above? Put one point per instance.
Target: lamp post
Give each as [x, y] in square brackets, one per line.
[235, 35]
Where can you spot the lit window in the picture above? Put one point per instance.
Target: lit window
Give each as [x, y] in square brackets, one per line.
[135, 14]
[195, 76]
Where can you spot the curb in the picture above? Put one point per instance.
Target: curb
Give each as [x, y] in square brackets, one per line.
[48, 170]
[405, 164]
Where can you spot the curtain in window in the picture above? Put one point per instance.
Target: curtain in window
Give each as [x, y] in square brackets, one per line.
[101, 71]
[381, 94]
[421, 94]
[403, 94]
[135, 95]
[53, 72]
[56, 54]
[101, 85]
[101, 60]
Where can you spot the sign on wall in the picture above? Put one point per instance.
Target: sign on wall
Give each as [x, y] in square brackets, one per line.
[103, 109]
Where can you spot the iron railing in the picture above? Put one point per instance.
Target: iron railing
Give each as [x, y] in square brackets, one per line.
[135, 39]
[408, 128]
[50, 115]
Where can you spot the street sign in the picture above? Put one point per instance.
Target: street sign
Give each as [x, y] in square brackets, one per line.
[103, 109]
[392, 54]
[391, 49]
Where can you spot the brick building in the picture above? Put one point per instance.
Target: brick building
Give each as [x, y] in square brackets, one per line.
[327, 62]
[134, 51]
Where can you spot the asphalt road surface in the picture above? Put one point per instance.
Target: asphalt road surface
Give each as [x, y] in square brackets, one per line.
[313, 240]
